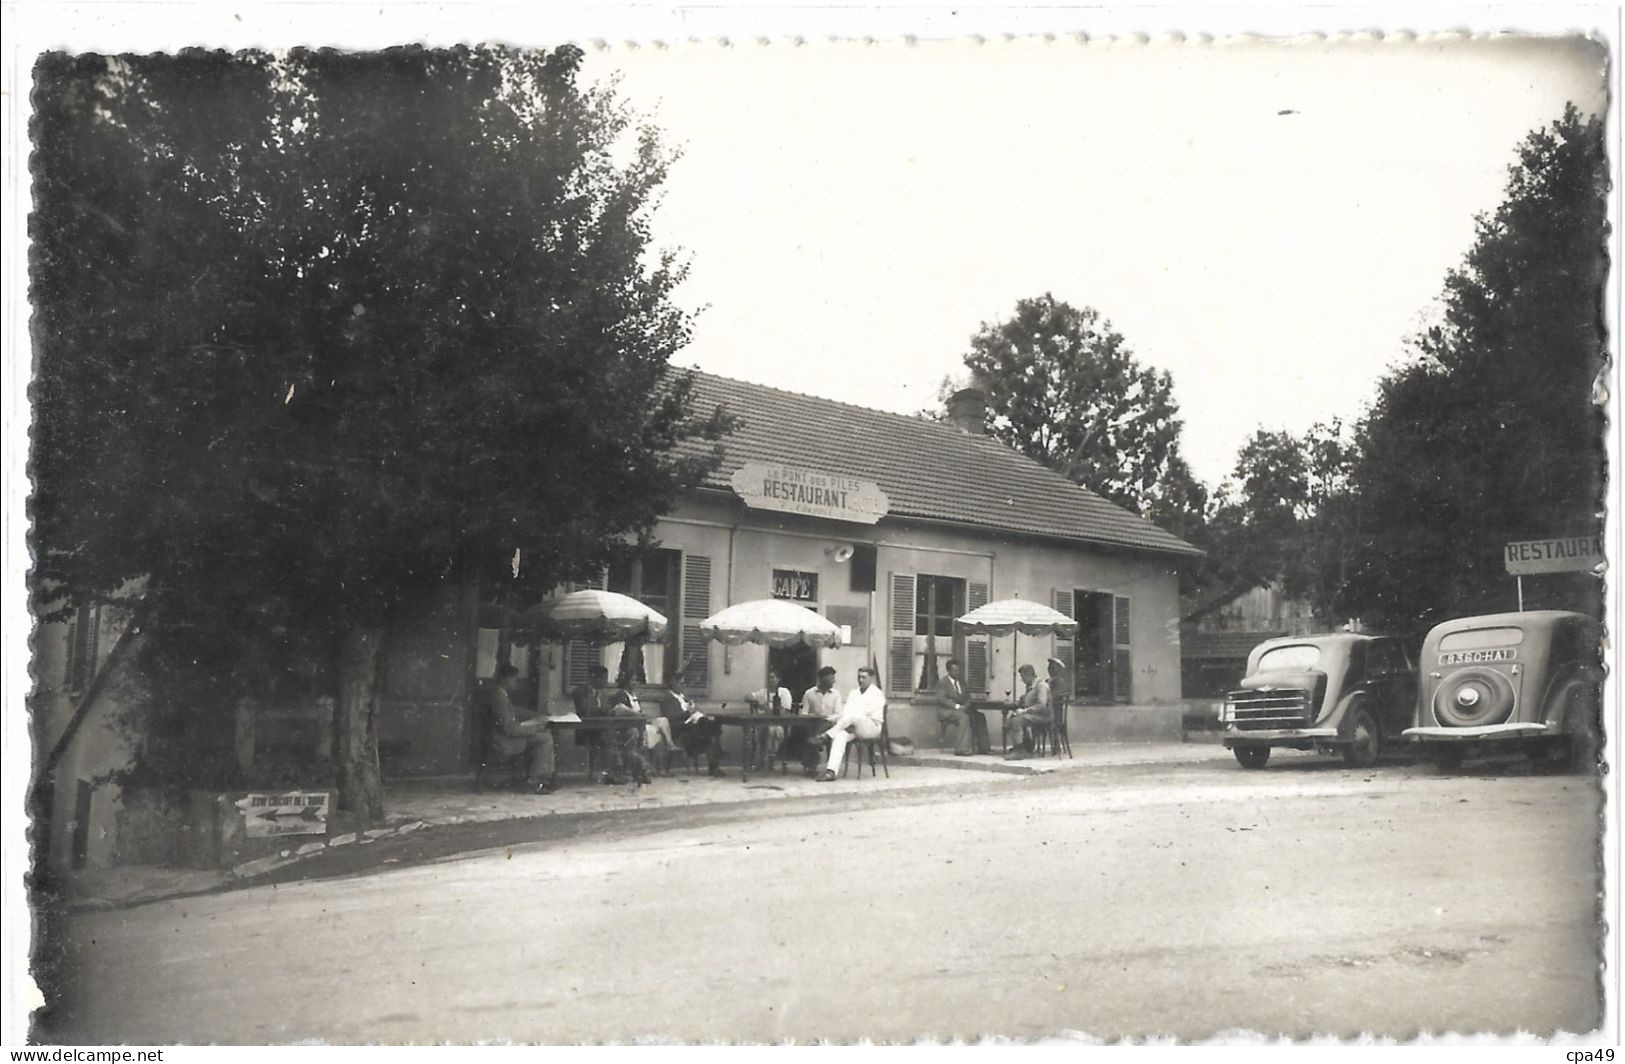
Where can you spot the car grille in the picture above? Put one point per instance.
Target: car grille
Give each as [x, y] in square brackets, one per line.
[1284, 707]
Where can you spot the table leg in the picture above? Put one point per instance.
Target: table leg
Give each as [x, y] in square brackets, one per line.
[747, 751]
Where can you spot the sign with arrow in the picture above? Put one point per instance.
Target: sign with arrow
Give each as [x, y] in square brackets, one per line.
[294, 813]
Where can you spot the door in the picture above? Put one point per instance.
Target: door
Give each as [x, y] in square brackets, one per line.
[1094, 649]
[797, 667]
[1392, 681]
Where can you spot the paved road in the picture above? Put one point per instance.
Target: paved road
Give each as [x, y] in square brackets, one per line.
[1136, 900]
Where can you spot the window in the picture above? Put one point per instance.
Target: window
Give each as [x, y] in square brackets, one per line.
[1386, 659]
[1101, 656]
[1296, 656]
[937, 601]
[651, 578]
[1481, 638]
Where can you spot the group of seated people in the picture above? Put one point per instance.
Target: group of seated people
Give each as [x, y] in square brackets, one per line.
[861, 715]
[626, 752]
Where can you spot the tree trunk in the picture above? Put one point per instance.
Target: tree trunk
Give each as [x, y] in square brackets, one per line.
[356, 722]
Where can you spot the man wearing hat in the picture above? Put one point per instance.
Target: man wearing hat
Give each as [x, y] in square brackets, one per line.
[1035, 708]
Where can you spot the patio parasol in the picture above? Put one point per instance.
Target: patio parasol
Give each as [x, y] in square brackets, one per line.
[772, 622]
[1013, 617]
[595, 616]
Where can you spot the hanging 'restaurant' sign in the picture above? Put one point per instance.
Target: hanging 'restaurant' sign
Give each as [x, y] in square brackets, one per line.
[1575, 554]
[808, 491]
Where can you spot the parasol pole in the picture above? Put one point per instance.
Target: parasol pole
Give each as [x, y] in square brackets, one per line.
[1015, 654]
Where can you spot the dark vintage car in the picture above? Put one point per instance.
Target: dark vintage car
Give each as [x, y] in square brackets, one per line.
[1529, 681]
[1337, 693]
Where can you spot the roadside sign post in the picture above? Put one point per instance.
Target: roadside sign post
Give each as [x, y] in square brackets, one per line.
[1566, 554]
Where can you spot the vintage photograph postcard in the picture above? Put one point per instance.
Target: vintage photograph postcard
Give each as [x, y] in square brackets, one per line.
[1096, 530]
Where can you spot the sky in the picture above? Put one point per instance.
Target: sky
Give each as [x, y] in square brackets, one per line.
[1268, 221]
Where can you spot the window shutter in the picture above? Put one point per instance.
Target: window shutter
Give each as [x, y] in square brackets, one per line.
[976, 646]
[900, 659]
[694, 650]
[1122, 661]
[1066, 647]
[80, 665]
[579, 655]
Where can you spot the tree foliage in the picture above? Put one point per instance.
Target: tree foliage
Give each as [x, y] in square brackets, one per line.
[1286, 518]
[1491, 433]
[318, 333]
[1064, 389]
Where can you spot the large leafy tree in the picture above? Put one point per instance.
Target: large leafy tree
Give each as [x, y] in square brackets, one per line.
[318, 333]
[1286, 517]
[1493, 432]
[1064, 389]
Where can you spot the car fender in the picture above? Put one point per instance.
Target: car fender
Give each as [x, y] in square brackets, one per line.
[1561, 695]
[1339, 717]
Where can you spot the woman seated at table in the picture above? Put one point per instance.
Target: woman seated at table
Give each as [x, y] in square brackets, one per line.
[694, 731]
[656, 735]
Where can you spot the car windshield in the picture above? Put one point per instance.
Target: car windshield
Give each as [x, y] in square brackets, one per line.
[1296, 656]
[1481, 638]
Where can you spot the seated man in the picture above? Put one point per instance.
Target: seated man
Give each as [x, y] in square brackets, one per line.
[619, 745]
[515, 731]
[956, 716]
[863, 716]
[823, 702]
[694, 731]
[1035, 708]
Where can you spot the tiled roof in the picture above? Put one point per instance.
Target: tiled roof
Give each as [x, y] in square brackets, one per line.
[927, 469]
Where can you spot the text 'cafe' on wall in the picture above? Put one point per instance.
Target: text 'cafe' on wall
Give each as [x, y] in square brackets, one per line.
[890, 526]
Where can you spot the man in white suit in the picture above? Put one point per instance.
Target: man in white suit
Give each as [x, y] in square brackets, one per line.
[862, 716]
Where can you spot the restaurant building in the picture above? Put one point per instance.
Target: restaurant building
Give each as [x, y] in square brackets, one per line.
[888, 525]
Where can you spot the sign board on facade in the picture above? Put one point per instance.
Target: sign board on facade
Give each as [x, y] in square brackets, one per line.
[794, 585]
[1573, 554]
[816, 493]
[294, 813]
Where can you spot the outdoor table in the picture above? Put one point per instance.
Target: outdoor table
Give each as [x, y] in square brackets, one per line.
[752, 723]
[605, 723]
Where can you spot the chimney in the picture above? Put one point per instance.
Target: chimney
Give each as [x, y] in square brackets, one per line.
[965, 410]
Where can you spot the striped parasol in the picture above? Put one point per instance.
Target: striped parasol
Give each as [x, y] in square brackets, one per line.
[772, 622]
[1015, 615]
[1012, 616]
[597, 617]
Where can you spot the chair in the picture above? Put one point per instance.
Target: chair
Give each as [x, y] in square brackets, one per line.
[1041, 738]
[1060, 740]
[490, 757]
[882, 743]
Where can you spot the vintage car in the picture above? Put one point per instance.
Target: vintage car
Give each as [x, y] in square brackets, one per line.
[1530, 681]
[1341, 692]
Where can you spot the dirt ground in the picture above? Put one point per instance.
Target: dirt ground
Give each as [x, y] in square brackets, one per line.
[1126, 900]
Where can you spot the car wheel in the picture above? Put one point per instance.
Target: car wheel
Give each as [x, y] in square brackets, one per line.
[1365, 740]
[1252, 755]
[1447, 758]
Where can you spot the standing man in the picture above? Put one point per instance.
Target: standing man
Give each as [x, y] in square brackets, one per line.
[823, 702]
[1035, 709]
[956, 712]
[513, 731]
[863, 716]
